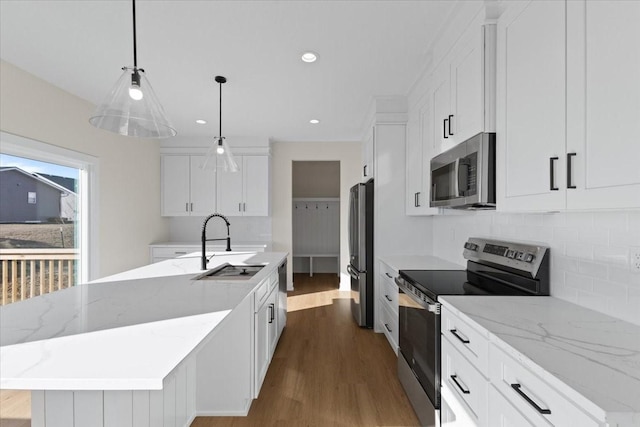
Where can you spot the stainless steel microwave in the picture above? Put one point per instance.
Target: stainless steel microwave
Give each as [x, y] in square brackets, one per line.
[464, 177]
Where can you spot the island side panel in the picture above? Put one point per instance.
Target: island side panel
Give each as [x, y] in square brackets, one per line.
[224, 374]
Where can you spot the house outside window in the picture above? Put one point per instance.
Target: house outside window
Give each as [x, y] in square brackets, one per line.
[31, 198]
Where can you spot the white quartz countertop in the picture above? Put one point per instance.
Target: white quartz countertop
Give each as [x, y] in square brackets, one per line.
[592, 358]
[122, 332]
[419, 262]
[220, 243]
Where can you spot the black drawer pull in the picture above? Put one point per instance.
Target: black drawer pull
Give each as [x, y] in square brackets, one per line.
[516, 387]
[386, 325]
[455, 334]
[388, 275]
[450, 117]
[444, 129]
[453, 377]
[388, 299]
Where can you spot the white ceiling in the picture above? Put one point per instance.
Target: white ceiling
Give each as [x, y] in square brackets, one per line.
[366, 48]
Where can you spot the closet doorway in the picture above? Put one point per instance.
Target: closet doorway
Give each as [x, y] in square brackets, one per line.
[316, 217]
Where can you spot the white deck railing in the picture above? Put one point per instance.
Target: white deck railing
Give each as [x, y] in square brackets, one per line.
[27, 273]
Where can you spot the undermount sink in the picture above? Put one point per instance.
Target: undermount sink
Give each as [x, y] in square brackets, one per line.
[230, 272]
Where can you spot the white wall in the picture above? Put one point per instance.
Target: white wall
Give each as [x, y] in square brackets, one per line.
[590, 252]
[129, 181]
[284, 153]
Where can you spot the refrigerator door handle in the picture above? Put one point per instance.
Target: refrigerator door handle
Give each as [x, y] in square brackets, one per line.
[352, 272]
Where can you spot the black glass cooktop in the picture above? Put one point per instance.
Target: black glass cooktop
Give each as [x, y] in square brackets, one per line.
[455, 282]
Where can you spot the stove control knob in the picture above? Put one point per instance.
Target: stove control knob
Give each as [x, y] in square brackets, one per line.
[520, 256]
[511, 254]
[529, 258]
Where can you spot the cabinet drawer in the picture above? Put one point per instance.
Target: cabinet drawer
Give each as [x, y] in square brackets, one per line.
[538, 401]
[389, 293]
[467, 384]
[262, 293]
[473, 344]
[389, 321]
[502, 413]
[387, 272]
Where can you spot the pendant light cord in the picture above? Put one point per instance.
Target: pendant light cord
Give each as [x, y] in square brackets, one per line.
[220, 111]
[135, 49]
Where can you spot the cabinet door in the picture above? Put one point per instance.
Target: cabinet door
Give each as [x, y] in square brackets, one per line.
[467, 98]
[503, 414]
[442, 129]
[203, 187]
[175, 185]
[229, 189]
[414, 190]
[603, 113]
[256, 186]
[262, 350]
[273, 321]
[531, 106]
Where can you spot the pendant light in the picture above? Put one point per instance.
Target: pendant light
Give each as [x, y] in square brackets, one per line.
[224, 157]
[132, 108]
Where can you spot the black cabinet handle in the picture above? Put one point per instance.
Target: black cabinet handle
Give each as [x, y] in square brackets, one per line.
[191, 207]
[386, 325]
[450, 117]
[364, 171]
[444, 129]
[516, 387]
[455, 334]
[388, 275]
[454, 378]
[271, 312]
[569, 172]
[552, 179]
[387, 297]
[418, 199]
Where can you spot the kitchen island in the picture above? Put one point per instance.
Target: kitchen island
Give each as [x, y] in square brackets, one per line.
[147, 347]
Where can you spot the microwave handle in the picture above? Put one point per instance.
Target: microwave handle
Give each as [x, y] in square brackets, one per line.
[456, 188]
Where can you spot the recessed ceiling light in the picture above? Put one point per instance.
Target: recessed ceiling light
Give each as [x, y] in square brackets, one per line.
[309, 56]
[314, 121]
[201, 122]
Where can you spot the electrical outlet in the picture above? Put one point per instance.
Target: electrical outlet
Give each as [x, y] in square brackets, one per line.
[635, 258]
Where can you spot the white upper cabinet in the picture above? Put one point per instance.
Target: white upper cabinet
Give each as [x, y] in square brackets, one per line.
[187, 188]
[245, 192]
[367, 155]
[464, 88]
[421, 146]
[531, 106]
[603, 96]
[568, 106]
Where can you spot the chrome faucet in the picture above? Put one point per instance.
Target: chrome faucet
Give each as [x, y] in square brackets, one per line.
[205, 240]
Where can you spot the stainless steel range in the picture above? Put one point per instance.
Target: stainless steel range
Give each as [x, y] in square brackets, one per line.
[493, 268]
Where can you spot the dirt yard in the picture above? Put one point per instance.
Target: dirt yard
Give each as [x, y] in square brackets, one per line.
[23, 236]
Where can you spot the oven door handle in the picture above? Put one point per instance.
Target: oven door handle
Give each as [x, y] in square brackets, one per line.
[431, 306]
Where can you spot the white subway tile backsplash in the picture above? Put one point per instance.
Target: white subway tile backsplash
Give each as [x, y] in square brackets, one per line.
[579, 250]
[578, 281]
[618, 255]
[609, 289]
[565, 234]
[624, 237]
[617, 220]
[589, 252]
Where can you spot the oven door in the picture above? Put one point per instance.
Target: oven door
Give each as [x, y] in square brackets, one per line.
[419, 339]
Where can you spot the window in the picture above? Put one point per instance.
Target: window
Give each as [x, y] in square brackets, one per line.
[61, 182]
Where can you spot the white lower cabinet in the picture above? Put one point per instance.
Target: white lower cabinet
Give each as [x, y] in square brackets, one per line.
[266, 328]
[388, 304]
[504, 414]
[538, 402]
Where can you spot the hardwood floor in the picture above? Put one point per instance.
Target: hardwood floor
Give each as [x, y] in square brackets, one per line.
[326, 371]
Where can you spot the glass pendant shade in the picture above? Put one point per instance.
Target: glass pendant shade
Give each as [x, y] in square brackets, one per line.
[220, 157]
[132, 109]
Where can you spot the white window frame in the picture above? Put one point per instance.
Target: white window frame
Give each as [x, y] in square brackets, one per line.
[15, 145]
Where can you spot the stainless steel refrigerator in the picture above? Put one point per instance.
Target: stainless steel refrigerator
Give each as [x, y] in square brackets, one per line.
[360, 266]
